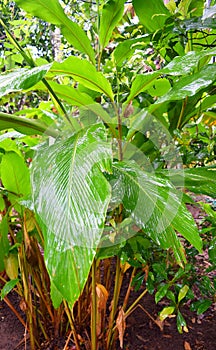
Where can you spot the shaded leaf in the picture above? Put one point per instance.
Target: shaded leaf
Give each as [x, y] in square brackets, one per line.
[71, 197]
[181, 323]
[52, 12]
[126, 48]
[4, 242]
[197, 180]
[111, 14]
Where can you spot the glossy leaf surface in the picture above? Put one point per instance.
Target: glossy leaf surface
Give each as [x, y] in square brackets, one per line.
[52, 12]
[21, 79]
[190, 85]
[156, 206]
[71, 196]
[197, 180]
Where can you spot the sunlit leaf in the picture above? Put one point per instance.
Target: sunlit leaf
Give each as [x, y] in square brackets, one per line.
[166, 312]
[15, 174]
[182, 293]
[111, 14]
[85, 73]
[152, 14]
[52, 12]
[71, 197]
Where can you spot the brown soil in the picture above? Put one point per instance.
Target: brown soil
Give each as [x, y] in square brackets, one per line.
[141, 332]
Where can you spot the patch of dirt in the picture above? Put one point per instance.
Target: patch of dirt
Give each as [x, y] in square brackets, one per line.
[143, 334]
[12, 332]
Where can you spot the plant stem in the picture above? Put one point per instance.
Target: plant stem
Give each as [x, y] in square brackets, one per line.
[130, 309]
[129, 289]
[72, 325]
[114, 303]
[94, 309]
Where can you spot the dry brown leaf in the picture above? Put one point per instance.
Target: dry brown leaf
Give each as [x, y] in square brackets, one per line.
[102, 296]
[187, 346]
[121, 326]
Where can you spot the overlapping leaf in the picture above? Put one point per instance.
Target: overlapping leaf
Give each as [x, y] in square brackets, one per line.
[197, 180]
[52, 12]
[181, 65]
[155, 205]
[71, 197]
[21, 79]
[85, 73]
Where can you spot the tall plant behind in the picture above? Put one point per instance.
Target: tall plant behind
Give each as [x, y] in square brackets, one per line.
[106, 163]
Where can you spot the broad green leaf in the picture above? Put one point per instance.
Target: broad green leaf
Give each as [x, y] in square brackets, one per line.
[166, 312]
[111, 14]
[15, 174]
[182, 65]
[71, 196]
[162, 291]
[79, 99]
[126, 48]
[141, 83]
[155, 205]
[21, 79]
[85, 73]
[182, 293]
[203, 305]
[9, 145]
[152, 14]
[52, 12]
[159, 87]
[8, 287]
[24, 125]
[197, 180]
[190, 85]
